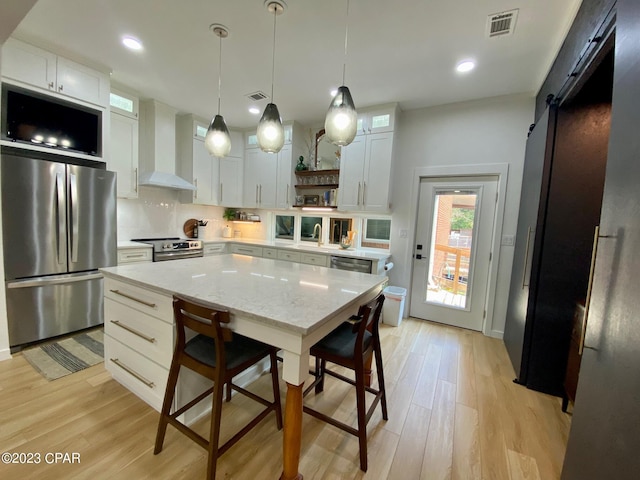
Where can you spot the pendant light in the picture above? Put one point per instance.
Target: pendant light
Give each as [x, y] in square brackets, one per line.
[217, 140]
[342, 119]
[270, 132]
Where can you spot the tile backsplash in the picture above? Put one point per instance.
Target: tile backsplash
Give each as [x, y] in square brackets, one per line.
[157, 212]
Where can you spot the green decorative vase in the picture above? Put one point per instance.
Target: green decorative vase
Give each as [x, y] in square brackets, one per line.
[300, 166]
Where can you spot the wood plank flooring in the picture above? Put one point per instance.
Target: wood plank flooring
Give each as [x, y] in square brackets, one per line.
[454, 413]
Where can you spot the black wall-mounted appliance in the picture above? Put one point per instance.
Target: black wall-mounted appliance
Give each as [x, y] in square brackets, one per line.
[28, 117]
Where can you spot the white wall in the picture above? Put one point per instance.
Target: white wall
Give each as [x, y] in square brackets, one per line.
[13, 11]
[488, 131]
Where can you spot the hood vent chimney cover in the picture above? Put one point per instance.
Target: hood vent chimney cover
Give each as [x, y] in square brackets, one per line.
[501, 24]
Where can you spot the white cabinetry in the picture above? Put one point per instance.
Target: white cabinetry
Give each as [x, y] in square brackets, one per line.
[269, 179]
[41, 69]
[134, 255]
[378, 120]
[195, 163]
[231, 172]
[214, 249]
[259, 190]
[365, 173]
[123, 154]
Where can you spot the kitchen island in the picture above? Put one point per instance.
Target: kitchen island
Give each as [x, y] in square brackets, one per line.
[285, 304]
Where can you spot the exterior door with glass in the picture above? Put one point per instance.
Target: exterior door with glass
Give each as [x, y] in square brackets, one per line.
[452, 251]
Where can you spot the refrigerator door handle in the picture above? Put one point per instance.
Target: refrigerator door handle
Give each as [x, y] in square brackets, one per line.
[60, 213]
[54, 280]
[73, 200]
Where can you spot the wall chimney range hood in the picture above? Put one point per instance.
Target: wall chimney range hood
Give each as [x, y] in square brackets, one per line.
[158, 147]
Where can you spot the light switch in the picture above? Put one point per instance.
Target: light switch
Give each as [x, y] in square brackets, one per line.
[403, 233]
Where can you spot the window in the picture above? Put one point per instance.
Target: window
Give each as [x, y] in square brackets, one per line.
[121, 102]
[285, 226]
[377, 232]
[307, 227]
[339, 227]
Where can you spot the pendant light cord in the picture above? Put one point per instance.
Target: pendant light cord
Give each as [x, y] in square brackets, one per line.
[273, 58]
[346, 36]
[219, 74]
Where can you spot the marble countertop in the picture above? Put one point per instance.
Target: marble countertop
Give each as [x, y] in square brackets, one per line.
[310, 248]
[294, 296]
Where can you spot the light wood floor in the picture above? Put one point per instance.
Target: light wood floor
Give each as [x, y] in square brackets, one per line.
[454, 413]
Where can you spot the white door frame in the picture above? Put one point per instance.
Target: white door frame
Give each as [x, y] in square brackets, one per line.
[501, 170]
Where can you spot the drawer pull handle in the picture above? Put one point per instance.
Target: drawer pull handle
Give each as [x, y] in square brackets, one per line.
[131, 372]
[135, 255]
[134, 331]
[130, 297]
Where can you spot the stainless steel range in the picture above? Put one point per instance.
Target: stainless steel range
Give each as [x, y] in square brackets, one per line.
[173, 248]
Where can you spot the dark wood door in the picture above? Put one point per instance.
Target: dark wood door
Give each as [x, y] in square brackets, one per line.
[605, 430]
[535, 179]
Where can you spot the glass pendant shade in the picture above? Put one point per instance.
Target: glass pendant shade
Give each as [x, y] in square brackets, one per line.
[217, 141]
[341, 121]
[270, 131]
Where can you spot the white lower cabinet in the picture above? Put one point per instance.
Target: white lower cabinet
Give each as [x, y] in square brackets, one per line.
[314, 259]
[246, 250]
[134, 255]
[139, 341]
[270, 252]
[214, 249]
[289, 256]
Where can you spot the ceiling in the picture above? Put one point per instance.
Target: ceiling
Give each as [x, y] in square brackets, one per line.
[404, 51]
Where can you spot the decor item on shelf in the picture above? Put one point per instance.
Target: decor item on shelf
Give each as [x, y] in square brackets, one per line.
[300, 166]
[311, 200]
[341, 121]
[270, 132]
[217, 139]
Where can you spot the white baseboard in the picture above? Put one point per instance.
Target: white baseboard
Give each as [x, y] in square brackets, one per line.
[5, 354]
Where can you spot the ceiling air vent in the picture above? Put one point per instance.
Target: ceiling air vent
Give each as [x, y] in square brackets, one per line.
[255, 96]
[503, 23]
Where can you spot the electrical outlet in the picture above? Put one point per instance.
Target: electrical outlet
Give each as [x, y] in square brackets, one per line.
[403, 233]
[508, 240]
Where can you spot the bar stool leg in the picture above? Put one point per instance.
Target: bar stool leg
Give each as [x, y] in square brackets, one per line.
[214, 436]
[169, 393]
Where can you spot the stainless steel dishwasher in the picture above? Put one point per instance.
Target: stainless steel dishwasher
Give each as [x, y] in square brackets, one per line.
[351, 264]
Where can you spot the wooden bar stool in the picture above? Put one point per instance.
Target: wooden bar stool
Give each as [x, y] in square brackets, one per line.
[351, 345]
[218, 354]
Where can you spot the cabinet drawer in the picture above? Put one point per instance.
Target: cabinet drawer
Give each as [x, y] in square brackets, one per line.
[141, 299]
[143, 377]
[289, 256]
[145, 334]
[134, 255]
[247, 250]
[270, 252]
[214, 248]
[314, 259]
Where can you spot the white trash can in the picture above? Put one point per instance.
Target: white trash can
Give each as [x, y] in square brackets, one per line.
[393, 305]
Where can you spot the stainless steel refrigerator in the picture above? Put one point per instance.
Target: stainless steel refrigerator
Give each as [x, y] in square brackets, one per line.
[59, 227]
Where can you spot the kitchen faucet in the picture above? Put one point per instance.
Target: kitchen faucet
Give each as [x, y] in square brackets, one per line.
[319, 227]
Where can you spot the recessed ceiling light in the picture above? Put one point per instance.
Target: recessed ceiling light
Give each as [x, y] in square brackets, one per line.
[334, 92]
[132, 43]
[466, 66]
[254, 110]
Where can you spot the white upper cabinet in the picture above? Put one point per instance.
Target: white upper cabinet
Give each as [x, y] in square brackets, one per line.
[259, 186]
[378, 120]
[231, 181]
[231, 177]
[195, 163]
[365, 172]
[123, 152]
[38, 68]
[285, 177]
